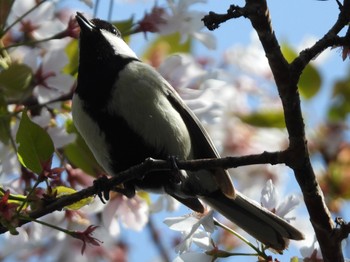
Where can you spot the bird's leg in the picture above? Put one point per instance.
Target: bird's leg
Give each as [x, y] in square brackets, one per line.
[103, 187]
[127, 190]
[176, 177]
[178, 181]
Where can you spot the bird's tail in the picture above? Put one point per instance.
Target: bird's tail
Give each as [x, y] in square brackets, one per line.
[260, 223]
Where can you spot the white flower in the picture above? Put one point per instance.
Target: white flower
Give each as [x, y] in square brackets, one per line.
[198, 237]
[272, 138]
[58, 134]
[182, 71]
[250, 58]
[193, 257]
[312, 251]
[287, 205]
[40, 23]
[186, 22]
[25, 55]
[194, 229]
[164, 202]
[270, 200]
[51, 83]
[40, 233]
[208, 95]
[269, 196]
[8, 160]
[132, 212]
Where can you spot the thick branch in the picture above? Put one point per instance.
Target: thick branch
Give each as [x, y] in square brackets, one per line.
[287, 77]
[288, 91]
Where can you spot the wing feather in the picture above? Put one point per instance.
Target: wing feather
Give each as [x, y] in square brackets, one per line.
[203, 146]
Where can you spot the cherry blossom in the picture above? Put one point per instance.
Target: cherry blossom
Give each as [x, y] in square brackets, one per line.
[194, 228]
[38, 24]
[187, 22]
[131, 212]
[270, 199]
[50, 81]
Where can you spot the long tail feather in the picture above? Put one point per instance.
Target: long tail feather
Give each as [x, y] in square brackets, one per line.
[260, 223]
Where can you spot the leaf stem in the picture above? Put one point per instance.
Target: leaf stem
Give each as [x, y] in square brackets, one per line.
[21, 17]
[30, 193]
[46, 224]
[257, 250]
[34, 42]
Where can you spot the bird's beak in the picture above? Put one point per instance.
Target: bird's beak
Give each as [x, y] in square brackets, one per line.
[85, 24]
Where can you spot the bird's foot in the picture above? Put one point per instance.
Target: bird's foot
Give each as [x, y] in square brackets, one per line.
[103, 188]
[176, 175]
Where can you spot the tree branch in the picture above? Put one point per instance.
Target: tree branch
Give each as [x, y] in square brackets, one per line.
[288, 90]
[156, 238]
[149, 165]
[330, 39]
[213, 20]
[287, 77]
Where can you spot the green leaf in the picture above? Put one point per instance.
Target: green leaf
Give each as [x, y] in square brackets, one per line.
[310, 80]
[294, 259]
[79, 154]
[342, 88]
[72, 52]
[5, 119]
[340, 106]
[15, 80]
[288, 52]
[167, 45]
[63, 191]
[35, 145]
[339, 111]
[124, 26]
[265, 119]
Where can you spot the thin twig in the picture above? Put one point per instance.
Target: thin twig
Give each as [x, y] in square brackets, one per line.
[157, 241]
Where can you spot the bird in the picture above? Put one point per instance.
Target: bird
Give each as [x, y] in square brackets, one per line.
[127, 112]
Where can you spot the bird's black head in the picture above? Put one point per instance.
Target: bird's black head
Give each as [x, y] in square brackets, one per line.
[94, 46]
[100, 41]
[102, 55]
[95, 25]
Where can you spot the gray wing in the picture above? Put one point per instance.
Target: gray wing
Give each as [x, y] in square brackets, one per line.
[202, 145]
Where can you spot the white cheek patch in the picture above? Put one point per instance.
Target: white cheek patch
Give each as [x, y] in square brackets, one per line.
[118, 44]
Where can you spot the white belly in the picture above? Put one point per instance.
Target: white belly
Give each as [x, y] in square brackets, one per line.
[91, 133]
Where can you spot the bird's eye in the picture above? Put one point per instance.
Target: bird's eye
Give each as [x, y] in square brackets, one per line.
[106, 26]
[114, 31]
